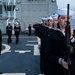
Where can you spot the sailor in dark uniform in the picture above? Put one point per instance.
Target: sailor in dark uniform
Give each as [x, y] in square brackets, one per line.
[17, 30]
[0, 44]
[43, 30]
[9, 32]
[29, 28]
[56, 49]
[40, 33]
[35, 26]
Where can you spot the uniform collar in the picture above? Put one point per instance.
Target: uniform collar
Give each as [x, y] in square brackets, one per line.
[60, 31]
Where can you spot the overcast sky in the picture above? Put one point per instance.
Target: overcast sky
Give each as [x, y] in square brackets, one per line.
[63, 4]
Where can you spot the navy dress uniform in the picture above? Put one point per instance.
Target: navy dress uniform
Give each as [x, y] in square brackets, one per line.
[43, 31]
[35, 27]
[0, 44]
[17, 30]
[40, 33]
[9, 32]
[29, 28]
[56, 49]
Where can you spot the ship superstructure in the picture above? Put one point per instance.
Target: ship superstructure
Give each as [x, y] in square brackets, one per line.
[25, 12]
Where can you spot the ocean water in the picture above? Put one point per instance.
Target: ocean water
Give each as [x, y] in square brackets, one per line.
[73, 23]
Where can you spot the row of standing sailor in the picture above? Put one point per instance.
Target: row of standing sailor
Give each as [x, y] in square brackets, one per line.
[53, 49]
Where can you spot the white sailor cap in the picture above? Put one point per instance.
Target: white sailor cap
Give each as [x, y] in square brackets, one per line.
[17, 23]
[63, 12]
[50, 18]
[55, 16]
[9, 22]
[44, 18]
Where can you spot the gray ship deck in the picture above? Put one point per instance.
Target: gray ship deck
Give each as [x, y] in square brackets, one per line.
[20, 59]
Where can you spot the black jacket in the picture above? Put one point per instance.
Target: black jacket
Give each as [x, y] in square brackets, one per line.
[17, 30]
[55, 48]
[9, 30]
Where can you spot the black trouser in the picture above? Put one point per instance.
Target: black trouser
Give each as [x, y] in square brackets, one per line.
[51, 69]
[29, 32]
[42, 63]
[17, 38]
[9, 38]
[42, 59]
[36, 32]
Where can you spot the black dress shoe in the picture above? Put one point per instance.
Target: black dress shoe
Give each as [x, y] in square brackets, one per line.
[1, 72]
